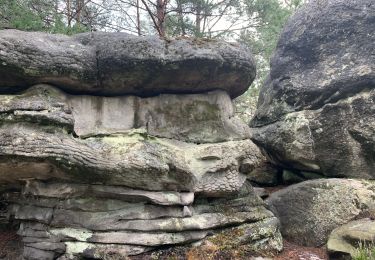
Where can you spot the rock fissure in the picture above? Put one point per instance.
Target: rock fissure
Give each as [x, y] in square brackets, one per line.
[366, 91]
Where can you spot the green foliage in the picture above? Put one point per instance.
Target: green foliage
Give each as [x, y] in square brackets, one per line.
[35, 15]
[199, 18]
[17, 14]
[62, 28]
[365, 252]
[176, 25]
[271, 19]
[270, 16]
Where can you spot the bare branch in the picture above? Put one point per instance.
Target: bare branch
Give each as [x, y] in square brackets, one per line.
[152, 17]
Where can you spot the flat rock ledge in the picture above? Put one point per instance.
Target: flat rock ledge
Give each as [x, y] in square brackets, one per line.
[95, 220]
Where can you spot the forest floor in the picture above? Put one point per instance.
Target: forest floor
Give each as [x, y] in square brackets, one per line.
[11, 246]
[294, 252]
[290, 252]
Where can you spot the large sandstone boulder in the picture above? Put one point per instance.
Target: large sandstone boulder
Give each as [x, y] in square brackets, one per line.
[98, 176]
[119, 63]
[310, 210]
[316, 110]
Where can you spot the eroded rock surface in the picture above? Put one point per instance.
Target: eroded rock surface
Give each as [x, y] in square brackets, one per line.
[40, 128]
[118, 63]
[92, 176]
[316, 110]
[345, 240]
[63, 221]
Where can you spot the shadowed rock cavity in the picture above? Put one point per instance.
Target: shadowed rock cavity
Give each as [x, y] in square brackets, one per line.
[316, 110]
[122, 175]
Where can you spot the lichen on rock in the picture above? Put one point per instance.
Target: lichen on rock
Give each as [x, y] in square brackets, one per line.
[316, 111]
[310, 210]
[126, 148]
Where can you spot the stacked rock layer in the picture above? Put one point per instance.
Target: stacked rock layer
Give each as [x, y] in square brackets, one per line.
[112, 144]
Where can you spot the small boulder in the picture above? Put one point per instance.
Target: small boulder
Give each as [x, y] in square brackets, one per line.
[345, 240]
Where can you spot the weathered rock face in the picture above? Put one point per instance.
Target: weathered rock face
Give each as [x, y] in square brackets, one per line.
[316, 111]
[48, 134]
[81, 220]
[117, 64]
[310, 210]
[344, 241]
[126, 174]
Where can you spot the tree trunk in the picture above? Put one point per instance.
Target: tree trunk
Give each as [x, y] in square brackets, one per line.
[138, 20]
[68, 13]
[80, 5]
[198, 19]
[160, 15]
[181, 17]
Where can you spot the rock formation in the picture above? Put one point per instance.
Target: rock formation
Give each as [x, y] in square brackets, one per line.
[315, 120]
[112, 144]
[316, 110]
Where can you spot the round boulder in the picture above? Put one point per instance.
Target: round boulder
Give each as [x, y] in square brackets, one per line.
[310, 210]
[316, 110]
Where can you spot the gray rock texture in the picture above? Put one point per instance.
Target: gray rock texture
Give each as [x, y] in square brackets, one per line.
[194, 118]
[63, 222]
[346, 239]
[46, 134]
[316, 110]
[310, 210]
[129, 145]
[265, 175]
[118, 63]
